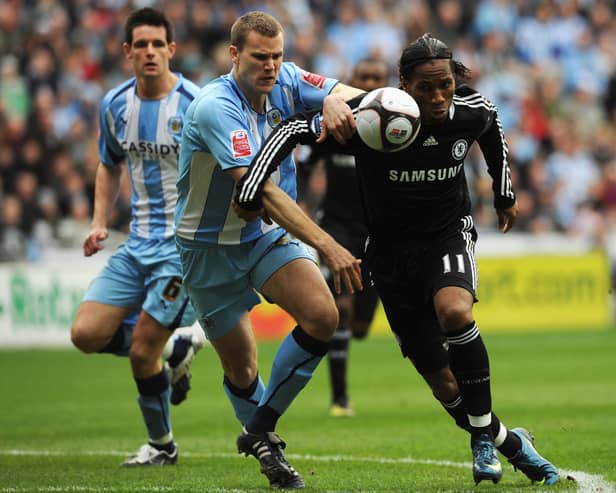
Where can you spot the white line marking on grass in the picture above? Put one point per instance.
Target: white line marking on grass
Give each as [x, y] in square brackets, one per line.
[75, 488]
[105, 489]
[585, 482]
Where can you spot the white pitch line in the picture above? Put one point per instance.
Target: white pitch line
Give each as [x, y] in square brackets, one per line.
[585, 482]
[105, 489]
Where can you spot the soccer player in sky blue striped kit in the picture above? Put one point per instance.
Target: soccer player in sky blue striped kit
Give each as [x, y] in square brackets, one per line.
[226, 260]
[141, 122]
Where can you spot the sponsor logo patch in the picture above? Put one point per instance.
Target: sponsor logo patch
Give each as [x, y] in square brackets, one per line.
[398, 133]
[314, 80]
[430, 141]
[240, 144]
[274, 117]
[315, 125]
[459, 148]
[174, 124]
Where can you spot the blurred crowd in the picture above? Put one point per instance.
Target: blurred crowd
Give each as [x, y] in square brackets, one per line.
[548, 65]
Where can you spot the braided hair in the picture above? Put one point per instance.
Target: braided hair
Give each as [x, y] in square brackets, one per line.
[424, 49]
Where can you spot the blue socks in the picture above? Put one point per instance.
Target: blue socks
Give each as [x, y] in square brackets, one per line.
[154, 395]
[295, 362]
[244, 401]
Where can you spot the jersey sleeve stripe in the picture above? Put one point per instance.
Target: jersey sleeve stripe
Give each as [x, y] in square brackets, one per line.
[265, 161]
[506, 186]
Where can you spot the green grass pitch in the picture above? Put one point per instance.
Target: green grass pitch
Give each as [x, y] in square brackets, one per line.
[67, 420]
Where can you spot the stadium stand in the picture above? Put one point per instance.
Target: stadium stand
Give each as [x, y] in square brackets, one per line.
[549, 66]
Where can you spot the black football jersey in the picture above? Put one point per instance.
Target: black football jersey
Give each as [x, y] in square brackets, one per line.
[419, 192]
[341, 203]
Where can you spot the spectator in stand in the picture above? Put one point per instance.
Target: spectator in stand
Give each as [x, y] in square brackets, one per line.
[45, 232]
[495, 16]
[347, 34]
[13, 240]
[26, 190]
[530, 29]
[8, 170]
[14, 97]
[572, 171]
[72, 229]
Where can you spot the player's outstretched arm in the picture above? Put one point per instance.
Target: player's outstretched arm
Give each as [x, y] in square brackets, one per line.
[493, 146]
[345, 268]
[278, 145]
[298, 129]
[278, 206]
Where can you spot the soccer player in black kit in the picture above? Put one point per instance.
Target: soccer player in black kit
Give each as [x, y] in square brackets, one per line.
[341, 216]
[422, 241]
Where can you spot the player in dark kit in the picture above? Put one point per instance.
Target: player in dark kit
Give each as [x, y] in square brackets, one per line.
[341, 216]
[422, 242]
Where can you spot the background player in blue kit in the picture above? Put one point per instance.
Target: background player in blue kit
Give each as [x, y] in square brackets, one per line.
[140, 123]
[227, 259]
[339, 213]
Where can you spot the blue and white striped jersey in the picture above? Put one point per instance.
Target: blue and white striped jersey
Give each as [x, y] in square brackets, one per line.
[146, 133]
[221, 132]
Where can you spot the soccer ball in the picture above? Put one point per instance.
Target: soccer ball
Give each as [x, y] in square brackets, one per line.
[388, 119]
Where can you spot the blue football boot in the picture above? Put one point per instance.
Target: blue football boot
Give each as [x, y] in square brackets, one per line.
[528, 460]
[485, 459]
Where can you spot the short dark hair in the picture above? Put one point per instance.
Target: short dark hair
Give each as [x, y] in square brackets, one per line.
[147, 17]
[370, 60]
[260, 22]
[424, 49]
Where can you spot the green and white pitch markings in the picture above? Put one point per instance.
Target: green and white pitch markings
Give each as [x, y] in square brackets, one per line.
[584, 482]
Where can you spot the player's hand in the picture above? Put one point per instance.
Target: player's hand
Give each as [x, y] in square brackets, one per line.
[344, 267]
[506, 217]
[250, 216]
[338, 119]
[93, 242]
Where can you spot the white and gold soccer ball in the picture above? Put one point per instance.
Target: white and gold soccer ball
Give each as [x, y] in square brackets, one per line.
[388, 119]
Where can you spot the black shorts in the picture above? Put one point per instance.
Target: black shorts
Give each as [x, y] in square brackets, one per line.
[350, 236]
[366, 300]
[355, 242]
[408, 275]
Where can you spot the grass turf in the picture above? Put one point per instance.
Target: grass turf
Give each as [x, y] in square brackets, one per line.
[68, 420]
